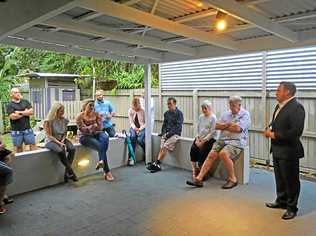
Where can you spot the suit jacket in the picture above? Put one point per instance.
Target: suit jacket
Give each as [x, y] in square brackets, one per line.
[288, 127]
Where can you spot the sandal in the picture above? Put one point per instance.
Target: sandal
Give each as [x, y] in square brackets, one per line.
[108, 177]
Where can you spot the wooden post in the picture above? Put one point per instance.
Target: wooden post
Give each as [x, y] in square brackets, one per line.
[160, 105]
[147, 79]
[264, 104]
[195, 109]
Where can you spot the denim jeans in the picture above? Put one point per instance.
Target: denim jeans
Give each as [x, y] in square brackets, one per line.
[137, 138]
[100, 143]
[61, 152]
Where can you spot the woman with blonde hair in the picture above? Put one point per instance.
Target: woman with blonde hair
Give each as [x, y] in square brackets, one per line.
[136, 116]
[55, 127]
[92, 135]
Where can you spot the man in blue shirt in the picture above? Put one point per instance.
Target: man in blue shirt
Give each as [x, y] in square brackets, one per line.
[106, 110]
[233, 125]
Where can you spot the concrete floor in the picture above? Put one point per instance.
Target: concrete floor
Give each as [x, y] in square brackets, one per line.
[140, 203]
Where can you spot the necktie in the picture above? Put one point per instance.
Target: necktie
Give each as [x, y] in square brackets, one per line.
[276, 111]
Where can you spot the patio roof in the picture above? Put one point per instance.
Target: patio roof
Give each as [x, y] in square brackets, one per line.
[155, 31]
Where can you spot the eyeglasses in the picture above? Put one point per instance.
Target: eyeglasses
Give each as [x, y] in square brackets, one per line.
[91, 105]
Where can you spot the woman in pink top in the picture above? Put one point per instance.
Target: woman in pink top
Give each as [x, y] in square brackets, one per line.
[136, 116]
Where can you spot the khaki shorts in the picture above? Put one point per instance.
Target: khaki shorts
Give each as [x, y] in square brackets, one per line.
[232, 150]
[169, 143]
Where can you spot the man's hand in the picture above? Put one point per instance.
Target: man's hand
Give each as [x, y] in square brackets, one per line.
[222, 126]
[269, 134]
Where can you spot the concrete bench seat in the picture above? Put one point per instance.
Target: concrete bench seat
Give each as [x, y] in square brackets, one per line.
[42, 168]
[180, 158]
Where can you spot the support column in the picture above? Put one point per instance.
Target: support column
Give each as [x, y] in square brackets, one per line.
[147, 81]
[264, 104]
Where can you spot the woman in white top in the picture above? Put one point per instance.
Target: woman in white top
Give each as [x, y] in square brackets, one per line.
[136, 116]
[205, 138]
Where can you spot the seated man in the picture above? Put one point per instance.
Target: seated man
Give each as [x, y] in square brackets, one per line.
[5, 176]
[170, 133]
[233, 126]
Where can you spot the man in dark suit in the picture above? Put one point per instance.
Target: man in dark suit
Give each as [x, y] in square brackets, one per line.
[285, 131]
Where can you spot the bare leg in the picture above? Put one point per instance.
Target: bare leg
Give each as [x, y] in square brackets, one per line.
[162, 154]
[229, 164]
[195, 169]
[33, 147]
[19, 149]
[211, 157]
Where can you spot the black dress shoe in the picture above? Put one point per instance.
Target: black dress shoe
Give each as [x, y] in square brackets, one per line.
[195, 183]
[229, 184]
[275, 205]
[288, 215]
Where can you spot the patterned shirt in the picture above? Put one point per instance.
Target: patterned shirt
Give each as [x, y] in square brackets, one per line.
[172, 123]
[242, 119]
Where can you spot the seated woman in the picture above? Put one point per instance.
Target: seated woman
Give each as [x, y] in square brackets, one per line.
[136, 116]
[205, 138]
[6, 174]
[91, 135]
[55, 127]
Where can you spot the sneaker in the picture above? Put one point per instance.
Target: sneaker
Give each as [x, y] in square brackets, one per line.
[155, 168]
[150, 166]
[7, 200]
[2, 210]
[130, 162]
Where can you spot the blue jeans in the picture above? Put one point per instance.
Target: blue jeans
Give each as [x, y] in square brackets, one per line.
[61, 152]
[137, 138]
[26, 136]
[6, 174]
[100, 143]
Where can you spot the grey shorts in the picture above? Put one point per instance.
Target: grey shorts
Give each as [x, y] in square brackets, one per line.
[232, 150]
[169, 143]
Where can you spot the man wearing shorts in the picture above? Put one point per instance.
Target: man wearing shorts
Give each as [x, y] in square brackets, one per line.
[170, 133]
[234, 125]
[20, 111]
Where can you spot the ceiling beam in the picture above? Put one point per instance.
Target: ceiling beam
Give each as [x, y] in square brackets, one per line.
[143, 18]
[130, 2]
[195, 16]
[243, 13]
[82, 42]
[88, 16]
[16, 15]
[112, 33]
[20, 42]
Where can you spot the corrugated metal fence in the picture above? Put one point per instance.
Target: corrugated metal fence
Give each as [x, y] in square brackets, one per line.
[243, 72]
[189, 101]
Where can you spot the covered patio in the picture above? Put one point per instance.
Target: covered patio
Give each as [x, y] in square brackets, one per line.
[147, 32]
[139, 203]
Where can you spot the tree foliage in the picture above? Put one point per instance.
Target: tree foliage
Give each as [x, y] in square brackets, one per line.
[14, 61]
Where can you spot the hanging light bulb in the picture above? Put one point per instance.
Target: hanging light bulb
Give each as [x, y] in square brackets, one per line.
[220, 22]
